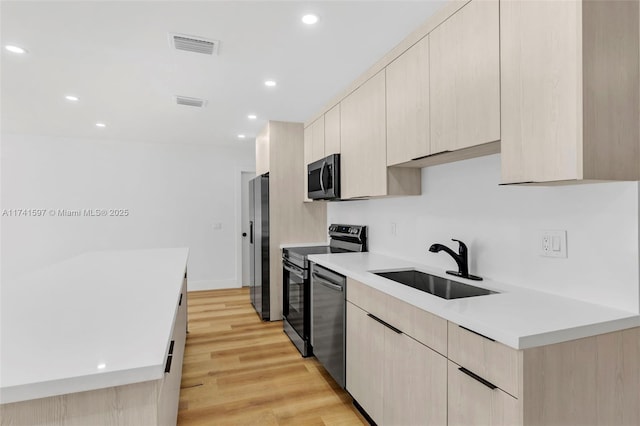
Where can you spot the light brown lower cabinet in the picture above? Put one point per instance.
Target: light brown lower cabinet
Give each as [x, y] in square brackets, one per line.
[365, 361]
[589, 381]
[394, 378]
[406, 366]
[471, 402]
[414, 384]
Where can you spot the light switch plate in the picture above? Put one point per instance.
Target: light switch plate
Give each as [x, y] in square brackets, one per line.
[552, 243]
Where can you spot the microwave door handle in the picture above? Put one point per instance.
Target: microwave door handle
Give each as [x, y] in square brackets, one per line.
[322, 177]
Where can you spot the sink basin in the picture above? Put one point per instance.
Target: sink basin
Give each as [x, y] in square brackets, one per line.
[438, 286]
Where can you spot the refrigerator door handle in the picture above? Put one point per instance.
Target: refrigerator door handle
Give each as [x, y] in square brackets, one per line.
[250, 232]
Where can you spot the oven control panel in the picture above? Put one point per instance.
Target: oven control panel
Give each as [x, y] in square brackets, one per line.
[347, 230]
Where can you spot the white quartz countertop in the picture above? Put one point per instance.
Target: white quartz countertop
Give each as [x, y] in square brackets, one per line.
[518, 317]
[97, 320]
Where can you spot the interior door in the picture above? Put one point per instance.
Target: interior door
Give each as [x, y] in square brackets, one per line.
[245, 227]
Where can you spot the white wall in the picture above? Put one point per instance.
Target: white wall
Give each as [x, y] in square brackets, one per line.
[500, 223]
[174, 193]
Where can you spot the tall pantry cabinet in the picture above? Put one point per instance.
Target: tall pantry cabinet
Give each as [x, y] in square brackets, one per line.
[280, 149]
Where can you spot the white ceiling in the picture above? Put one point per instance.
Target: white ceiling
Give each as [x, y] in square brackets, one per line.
[115, 56]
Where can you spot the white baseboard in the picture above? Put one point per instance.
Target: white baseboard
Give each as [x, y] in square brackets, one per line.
[193, 285]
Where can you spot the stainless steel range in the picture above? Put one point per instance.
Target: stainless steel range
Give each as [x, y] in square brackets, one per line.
[297, 285]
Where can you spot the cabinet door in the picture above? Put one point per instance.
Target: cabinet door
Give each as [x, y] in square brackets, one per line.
[363, 140]
[415, 383]
[541, 65]
[465, 78]
[262, 151]
[313, 148]
[317, 139]
[308, 152]
[332, 131]
[408, 105]
[365, 361]
[471, 402]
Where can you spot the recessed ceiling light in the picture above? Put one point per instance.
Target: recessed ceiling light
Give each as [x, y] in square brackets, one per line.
[101, 125]
[15, 49]
[310, 19]
[252, 116]
[71, 98]
[241, 136]
[102, 366]
[269, 83]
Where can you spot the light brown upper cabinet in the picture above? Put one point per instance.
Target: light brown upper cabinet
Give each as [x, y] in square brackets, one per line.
[321, 138]
[363, 140]
[464, 60]
[314, 140]
[570, 95]
[313, 148]
[363, 146]
[408, 105]
[332, 131]
[262, 152]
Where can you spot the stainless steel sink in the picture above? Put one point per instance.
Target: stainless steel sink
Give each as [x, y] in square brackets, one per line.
[438, 286]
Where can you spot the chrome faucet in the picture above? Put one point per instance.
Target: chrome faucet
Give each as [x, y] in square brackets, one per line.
[461, 259]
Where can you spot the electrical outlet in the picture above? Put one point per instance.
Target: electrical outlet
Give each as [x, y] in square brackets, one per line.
[217, 226]
[394, 229]
[553, 243]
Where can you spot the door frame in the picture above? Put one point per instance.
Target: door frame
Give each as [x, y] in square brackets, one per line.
[238, 225]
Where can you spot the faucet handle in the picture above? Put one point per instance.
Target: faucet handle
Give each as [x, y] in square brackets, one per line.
[462, 249]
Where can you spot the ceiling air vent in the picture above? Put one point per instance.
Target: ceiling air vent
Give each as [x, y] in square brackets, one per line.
[193, 102]
[194, 44]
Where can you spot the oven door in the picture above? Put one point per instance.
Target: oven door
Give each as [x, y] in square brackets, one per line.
[297, 299]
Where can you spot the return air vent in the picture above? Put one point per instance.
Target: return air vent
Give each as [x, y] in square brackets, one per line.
[193, 102]
[194, 44]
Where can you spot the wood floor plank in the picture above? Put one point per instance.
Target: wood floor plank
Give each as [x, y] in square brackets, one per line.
[238, 370]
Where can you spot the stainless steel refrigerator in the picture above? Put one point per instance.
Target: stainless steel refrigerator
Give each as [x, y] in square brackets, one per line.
[259, 244]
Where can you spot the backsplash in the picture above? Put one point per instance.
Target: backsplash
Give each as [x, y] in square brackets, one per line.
[500, 225]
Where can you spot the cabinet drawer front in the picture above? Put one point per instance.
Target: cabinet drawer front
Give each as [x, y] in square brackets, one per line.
[367, 298]
[428, 329]
[491, 360]
[471, 402]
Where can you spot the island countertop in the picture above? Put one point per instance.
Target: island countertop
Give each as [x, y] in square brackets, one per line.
[518, 317]
[97, 320]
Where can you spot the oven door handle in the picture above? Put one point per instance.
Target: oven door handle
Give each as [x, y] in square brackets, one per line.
[324, 164]
[293, 269]
[325, 282]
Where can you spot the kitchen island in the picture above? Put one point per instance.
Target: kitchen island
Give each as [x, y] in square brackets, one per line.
[95, 339]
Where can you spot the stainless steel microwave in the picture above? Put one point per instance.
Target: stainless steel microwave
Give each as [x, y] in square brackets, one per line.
[323, 181]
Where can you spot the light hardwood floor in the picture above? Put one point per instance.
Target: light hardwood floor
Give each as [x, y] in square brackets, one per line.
[239, 370]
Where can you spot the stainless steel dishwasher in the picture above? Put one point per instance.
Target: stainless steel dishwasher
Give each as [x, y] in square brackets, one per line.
[328, 309]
